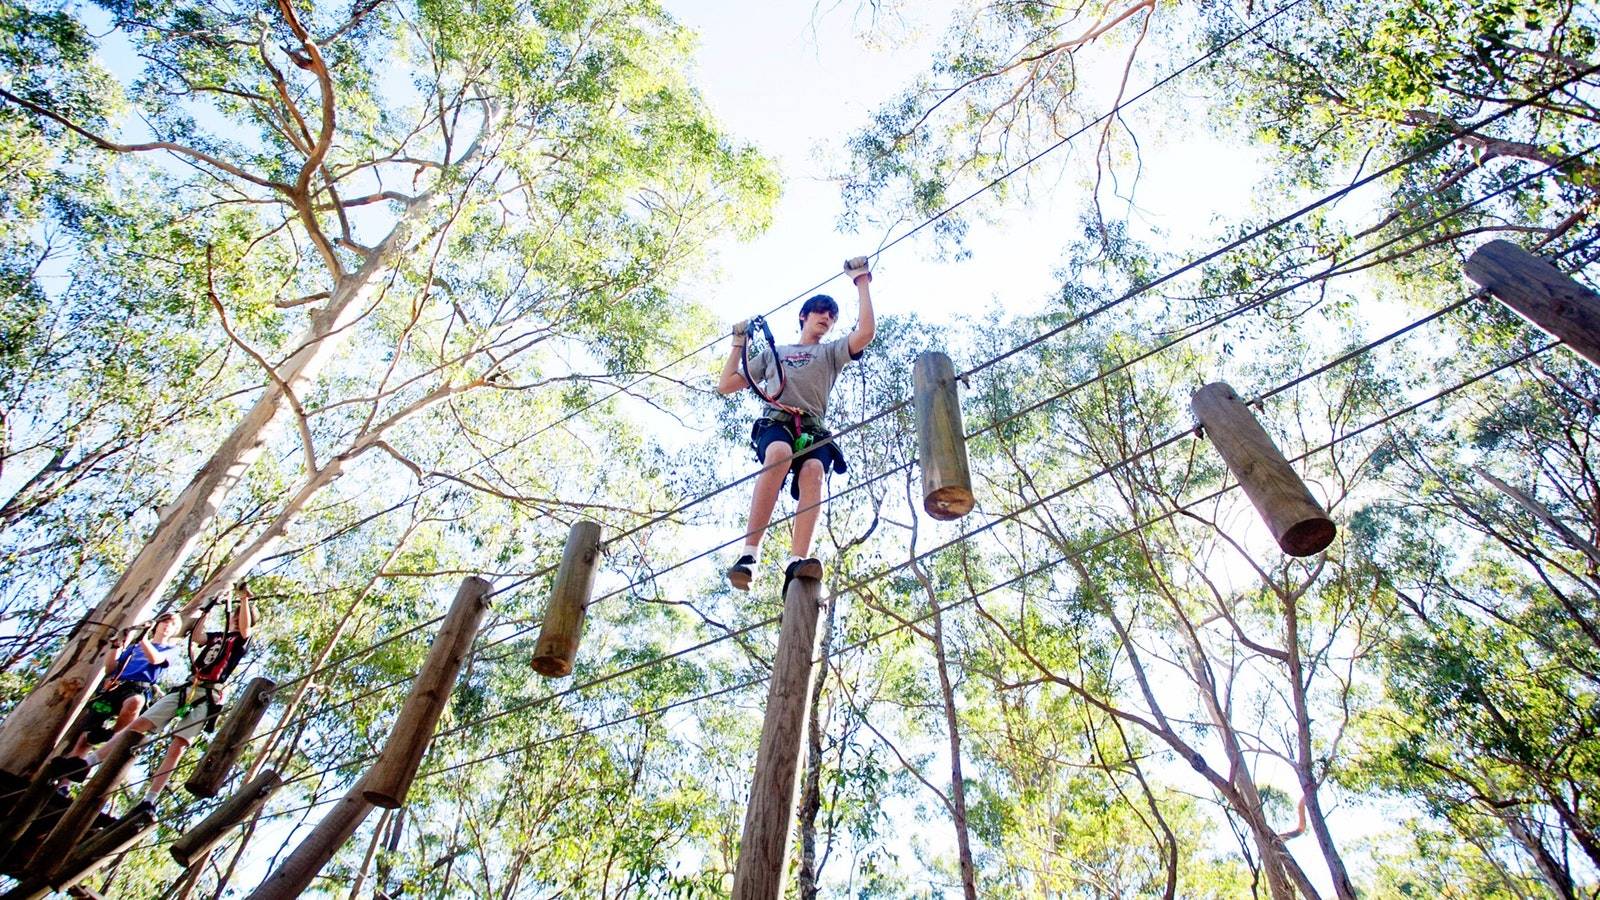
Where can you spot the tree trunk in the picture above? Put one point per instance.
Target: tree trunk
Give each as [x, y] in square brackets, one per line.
[811, 784]
[37, 723]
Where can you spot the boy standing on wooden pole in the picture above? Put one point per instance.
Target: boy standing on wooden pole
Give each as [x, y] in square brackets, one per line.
[794, 381]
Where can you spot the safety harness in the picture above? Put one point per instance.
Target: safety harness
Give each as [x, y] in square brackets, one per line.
[803, 437]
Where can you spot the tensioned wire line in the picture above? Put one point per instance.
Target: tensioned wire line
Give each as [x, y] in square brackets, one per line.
[1409, 159]
[909, 622]
[548, 698]
[1405, 161]
[935, 217]
[659, 371]
[1334, 269]
[1077, 320]
[1115, 110]
[873, 578]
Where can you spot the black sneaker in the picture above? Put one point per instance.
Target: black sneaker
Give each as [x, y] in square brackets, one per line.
[740, 572]
[69, 767]
[810, 567]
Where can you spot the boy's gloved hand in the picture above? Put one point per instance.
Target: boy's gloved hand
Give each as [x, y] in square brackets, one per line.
[741, 329]
[858, 269]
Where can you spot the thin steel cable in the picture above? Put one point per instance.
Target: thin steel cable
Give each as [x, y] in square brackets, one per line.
[962, 538]
[1332, 270]
[741, 685]
[1410, 159]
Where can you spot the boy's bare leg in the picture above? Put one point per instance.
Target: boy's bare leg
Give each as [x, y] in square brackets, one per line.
[169, 762]
[130, 710]
[765, 495]
[805, 519]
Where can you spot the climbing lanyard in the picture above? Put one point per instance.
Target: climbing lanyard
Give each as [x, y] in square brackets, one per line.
[802, 438]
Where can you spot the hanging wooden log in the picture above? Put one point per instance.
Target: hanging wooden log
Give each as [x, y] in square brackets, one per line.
[296, 873]
[764, 847]
[212, 770]
[1298, 523]
[198, 841]
[389, 779]
[941, 441]
[1539, 292]
[569, 602]
[115, 758]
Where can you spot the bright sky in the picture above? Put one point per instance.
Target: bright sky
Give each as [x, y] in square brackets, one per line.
[796, 79]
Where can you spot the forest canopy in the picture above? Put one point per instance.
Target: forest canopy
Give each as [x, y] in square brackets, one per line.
[352, 301]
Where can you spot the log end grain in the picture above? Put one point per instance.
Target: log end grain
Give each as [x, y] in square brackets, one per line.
[949, 502]
[1308, 537]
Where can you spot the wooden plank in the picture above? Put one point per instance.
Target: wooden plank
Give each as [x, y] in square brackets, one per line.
[1298, 523]
[1540, 293]
[764, 847]
[562, 628]
[941, 440]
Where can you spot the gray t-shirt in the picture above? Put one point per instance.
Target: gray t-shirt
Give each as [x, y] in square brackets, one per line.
[810, 371]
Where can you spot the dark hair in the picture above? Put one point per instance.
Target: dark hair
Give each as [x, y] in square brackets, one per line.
[819, 303]
[165, 616]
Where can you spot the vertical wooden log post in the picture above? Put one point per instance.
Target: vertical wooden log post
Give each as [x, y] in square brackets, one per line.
[212, 770]
[115, 758]
[762, 850]
[569, 602]
[1298, 523]
[1539, 292]
[296, 873]
[198, 841]
[941, 441]
[389, 779]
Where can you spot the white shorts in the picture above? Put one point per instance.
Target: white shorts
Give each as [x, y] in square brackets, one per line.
[196, 715]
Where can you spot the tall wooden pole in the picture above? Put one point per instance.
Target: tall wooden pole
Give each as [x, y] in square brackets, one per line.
[212, 770]
[1296, 520]
[296, 873]
[1540, 293]
[569, 602]
[941, 440]
[198, 841]
[115, 758]
[389, 779]
[762, 850]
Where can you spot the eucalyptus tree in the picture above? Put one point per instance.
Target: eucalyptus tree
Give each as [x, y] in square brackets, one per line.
[1321, 92]
[557, 147]
[1485, 551]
